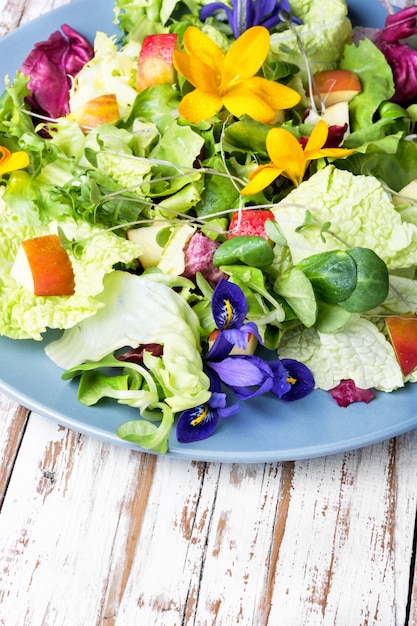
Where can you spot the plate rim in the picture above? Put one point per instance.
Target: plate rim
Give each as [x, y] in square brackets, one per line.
[48, 22]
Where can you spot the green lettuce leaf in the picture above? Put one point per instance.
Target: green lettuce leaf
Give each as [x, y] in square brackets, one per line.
[112, 70]
[324, 32]
[354, 210]
[137, 310]
[93, 252]
[344, 354]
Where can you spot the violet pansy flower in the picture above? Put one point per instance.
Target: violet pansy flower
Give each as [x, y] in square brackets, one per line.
[242, 15]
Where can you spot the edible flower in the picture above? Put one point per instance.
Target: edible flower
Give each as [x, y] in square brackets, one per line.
[11, 161]
[289, 158]
[199, 423]
[229, 309]
[244, 375]
[243, 15]
[228, 79]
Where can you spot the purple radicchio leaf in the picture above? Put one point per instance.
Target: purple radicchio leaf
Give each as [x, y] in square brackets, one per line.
[51, 65]
[401, 58]
[347, 392]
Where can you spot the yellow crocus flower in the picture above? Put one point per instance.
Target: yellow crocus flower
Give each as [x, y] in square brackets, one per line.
[228, 79]
[289, 158]
[10, 161]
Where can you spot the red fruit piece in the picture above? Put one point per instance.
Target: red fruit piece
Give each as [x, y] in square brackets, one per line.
[403, 334]
[155, 60]
[251, 222]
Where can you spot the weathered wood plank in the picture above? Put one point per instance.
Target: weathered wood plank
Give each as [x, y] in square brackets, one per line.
[350, 565]
[312, 542]
[69, 527]
[12, 425]
[14, 13]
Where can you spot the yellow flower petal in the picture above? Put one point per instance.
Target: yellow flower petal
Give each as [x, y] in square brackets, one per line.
[9, 162]
[286, 153]
[340, 153]
[199, 45]
[276, 95]
[245, 56]
[195, 71]
[5, 154]
[260, 178]
[198, 105]
[318, 137]
[240, 101]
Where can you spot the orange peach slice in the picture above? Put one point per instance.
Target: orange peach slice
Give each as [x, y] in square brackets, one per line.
[43, 267]
[155, 61]
[403, 334]
[336, 86]
[101, 110]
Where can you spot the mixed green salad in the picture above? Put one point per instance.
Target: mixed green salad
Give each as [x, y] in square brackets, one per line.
[221, 209]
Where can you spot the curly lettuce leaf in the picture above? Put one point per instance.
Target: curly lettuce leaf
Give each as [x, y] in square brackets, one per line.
[342, 207]
[324, 32]
[93, 254]
[344, 354]
[111, 70]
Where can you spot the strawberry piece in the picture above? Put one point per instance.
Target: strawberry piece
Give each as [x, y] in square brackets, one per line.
[252, 222]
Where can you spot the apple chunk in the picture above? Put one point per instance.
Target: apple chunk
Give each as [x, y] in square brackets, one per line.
[155, 61]
[101, 110]
[336, 86]
[403, 334]
[146, 236]
[43, 267]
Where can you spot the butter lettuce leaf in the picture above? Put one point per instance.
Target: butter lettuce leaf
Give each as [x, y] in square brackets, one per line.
[355, 210]
[93, 251]
[369, 64]
[137, 310]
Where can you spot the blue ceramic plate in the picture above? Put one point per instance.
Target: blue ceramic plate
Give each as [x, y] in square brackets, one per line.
[265, 429]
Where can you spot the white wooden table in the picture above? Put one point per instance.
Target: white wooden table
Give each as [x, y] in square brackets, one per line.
[94, 534]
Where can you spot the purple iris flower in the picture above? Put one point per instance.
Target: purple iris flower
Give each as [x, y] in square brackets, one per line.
[199, 423]
[243, 14]
[229, 308]
[245, 375]
[300, 378]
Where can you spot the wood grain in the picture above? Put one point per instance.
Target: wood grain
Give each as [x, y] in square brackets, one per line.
[97, 534]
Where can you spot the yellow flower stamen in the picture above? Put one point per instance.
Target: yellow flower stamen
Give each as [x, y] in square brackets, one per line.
[289, 159]
[201, 417]
[229, 79]
[11, 161]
